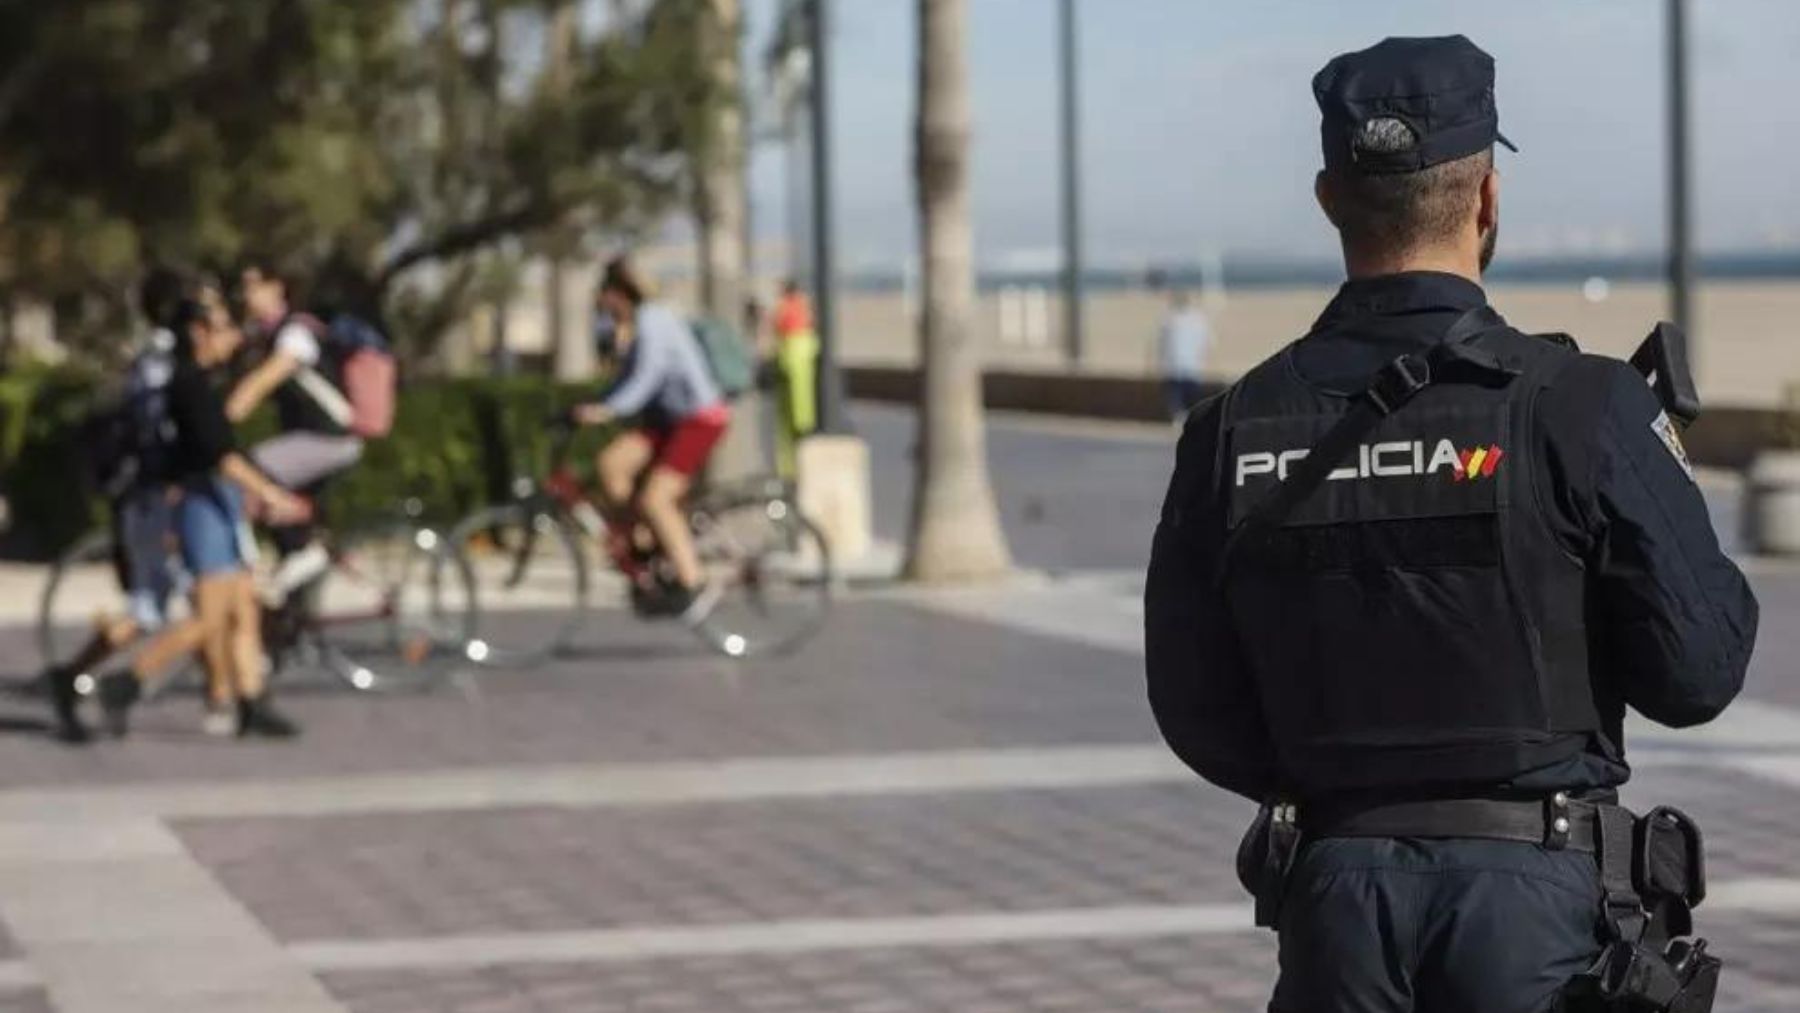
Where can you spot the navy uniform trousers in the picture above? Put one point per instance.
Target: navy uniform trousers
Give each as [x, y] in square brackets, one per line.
[1401, 925]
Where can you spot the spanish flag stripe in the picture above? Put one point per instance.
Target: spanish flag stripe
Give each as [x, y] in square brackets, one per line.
[1475, 459]
[1493, 461]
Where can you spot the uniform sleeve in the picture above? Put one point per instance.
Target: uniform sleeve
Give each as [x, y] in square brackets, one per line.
[647, 365]
[1202, 694]
[1674, 619]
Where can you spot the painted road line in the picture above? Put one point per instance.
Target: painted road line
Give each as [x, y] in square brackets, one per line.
[774, 937]
[793, 936]
[136, 923]
[18, 976]
[635, 784]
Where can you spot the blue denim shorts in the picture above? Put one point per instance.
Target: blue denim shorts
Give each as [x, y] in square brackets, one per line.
[214, 535]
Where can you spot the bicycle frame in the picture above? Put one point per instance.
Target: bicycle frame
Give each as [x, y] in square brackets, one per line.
[560, 497]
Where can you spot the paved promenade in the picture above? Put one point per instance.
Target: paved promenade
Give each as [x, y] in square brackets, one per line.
[951, 801]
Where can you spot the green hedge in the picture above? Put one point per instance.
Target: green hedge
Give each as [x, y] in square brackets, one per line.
[456, 444]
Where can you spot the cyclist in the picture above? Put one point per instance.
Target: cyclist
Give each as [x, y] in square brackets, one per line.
[313, 413]
[216, 547]
[678, 416]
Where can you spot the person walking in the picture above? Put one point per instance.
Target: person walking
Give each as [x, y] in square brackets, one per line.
[216, 547]
[796, 355]
[141, 508]
[1181, 350]
[1411, 571]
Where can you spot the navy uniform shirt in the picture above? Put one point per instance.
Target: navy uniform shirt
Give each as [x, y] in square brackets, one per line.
[1671, 619]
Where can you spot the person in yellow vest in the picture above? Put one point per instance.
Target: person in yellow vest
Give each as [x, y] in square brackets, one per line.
[796, 356]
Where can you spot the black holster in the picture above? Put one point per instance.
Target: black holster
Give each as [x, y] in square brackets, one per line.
[1653, 871]
[1265, 858]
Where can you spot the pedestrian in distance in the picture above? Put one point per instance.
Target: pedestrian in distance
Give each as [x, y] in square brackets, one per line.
[1410, 573]
[1181, 347]
[796, 358]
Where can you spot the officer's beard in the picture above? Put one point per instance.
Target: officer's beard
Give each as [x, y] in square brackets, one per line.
[1487, 245]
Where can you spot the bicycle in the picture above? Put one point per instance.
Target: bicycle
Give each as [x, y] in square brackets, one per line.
[769, 563]
[385, 615]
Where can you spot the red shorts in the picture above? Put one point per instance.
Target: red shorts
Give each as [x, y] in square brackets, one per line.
[685, 446]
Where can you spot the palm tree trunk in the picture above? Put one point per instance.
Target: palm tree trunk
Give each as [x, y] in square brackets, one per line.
[569, 337]
[720, 215]
[719, 178]
[955, 531]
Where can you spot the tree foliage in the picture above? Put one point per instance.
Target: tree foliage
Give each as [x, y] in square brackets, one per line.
[391, 149]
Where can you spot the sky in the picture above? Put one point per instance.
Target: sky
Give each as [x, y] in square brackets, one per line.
[1200, 136]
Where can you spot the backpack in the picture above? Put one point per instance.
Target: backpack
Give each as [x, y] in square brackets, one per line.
[363, 399]
[727, 356]
[129, 442]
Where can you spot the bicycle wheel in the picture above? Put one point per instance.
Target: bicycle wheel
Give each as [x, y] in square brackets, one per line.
[772, 571]
[81, 592]
[531, 577]
[395, 611]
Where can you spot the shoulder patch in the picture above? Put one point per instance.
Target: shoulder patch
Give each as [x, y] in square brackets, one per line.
[1665, 430]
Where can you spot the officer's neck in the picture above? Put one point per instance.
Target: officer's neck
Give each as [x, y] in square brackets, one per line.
[1359, 264]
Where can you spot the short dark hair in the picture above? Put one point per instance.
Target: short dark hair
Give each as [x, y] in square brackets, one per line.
[187, 311]
[622, 276]
[1402, 210]
[160, 293]
[297, 284]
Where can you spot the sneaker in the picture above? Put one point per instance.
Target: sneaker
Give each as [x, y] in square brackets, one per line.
[65, 704]
[220, 722]
[696, 603]
[119, 692]
[296, 571]
[656, 600]
[259, 717]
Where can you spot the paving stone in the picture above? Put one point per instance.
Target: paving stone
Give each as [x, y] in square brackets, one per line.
[882, 676]
[550, 869]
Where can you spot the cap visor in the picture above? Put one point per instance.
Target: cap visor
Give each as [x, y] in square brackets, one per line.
[1510, 146]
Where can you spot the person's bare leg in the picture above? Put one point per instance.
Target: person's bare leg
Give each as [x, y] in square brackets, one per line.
[182, 638]
[215, 605]
[618, 466]
[209, 625]
[247, 656]
[111, 635]
[256, 711]
[660, 503]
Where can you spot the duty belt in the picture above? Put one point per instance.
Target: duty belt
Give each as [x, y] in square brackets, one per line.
[1560, 822]
[1652, 874]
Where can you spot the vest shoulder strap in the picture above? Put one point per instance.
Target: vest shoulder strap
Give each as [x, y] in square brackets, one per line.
[1451, 360]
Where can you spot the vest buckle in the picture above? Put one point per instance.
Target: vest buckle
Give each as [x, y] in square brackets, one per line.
[1397, 382]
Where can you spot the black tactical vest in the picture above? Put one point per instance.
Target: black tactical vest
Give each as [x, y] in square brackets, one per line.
[1413, 622]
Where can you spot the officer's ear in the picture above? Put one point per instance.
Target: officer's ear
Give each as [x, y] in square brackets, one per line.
[1487, 212]
[1322, 192]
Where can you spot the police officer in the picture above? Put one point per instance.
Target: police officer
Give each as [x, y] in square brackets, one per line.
[1425, 643]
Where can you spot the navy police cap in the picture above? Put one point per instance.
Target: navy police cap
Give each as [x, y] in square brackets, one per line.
[1441, 88]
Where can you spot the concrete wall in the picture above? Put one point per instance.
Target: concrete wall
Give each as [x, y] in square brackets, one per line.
[1747, 338]
[1726, 436]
